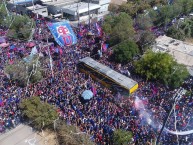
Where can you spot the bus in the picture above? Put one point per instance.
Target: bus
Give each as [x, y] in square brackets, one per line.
[107, 77]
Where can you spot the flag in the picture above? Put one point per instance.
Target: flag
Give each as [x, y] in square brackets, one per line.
[80, 34]
[12, 47]
[63, 33]
[1, 102]
[60, 50]
[98, 29]
[104, 47]
[57, 50]
[34, 51]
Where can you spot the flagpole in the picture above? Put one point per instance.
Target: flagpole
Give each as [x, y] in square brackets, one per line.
[89, 13]
[51, 67]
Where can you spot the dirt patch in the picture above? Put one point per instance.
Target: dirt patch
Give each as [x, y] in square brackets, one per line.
[48, 138]
[118, 2]
[189, 40]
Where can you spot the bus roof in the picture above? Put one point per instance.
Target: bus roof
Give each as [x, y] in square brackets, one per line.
[122, 80]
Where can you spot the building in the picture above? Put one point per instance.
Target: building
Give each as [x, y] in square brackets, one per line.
[23, 2]
[104, 5]
[39, 9]
[55, 6]
[181, 51]
[74, 10]
[80, 11]
[27, 7]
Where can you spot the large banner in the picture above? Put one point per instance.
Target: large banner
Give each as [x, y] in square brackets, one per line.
[63, 33]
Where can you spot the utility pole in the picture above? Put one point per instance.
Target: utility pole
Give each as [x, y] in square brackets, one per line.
[89, 13]
[34, 8]
[78, 12]
[175, 97]
[6, 7]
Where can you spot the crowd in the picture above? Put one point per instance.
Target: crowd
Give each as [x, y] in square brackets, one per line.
[101, 115]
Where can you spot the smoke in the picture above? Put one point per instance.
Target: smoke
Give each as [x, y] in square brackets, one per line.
[179, 133]
[146, 115]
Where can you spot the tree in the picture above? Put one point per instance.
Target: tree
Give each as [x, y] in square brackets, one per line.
[122, 137]
[134, 7]
[3, 13]
[39, 114]
[158, 2]
[165, 14]
[181, 30]
[125, 51]
[128, 8]
[162, 67]
[186, 5]
[175, 33]
[143, 22]
[178, 75]
[20, 27]
[146, 39]
[119, 27]
[187, 27]
[113, 8]
[71, 135]
[25, 72]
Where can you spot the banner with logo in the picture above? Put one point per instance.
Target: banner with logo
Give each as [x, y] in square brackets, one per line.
[63, 33]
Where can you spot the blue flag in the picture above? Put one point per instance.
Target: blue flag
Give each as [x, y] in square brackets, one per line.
[63, 33]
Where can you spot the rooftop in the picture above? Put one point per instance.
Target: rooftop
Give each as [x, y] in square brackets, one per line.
[59, 2]
[81, 7]
[36, 7]
[180, 50]
[21, 1]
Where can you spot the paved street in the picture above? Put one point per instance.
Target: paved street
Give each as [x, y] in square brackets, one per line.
[21, 135]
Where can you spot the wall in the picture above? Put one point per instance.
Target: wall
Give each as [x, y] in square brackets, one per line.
[43, 12]
[104, 8]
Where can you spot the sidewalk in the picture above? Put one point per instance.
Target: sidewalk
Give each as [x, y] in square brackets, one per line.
[21, 135]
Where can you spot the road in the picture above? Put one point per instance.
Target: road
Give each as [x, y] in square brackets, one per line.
[21, 135]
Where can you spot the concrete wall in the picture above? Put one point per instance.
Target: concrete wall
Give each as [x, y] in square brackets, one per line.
[54, 9]
[43, 12]
[104, 8]
[101, 2]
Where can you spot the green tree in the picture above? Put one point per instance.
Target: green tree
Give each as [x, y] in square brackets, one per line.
[125, 51]
[187, 27]
[20, 27]
[165, 14]
[178, 74]
[162, 67]
[186, 6]
[122, 137]
[133, 8]
[175, 33]
[128, 8]
[113, 8]
[39, 114]
[119, 27]
[146, 39]
[143, 22]
[25, 72]
[158, 2]
[3, 13]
